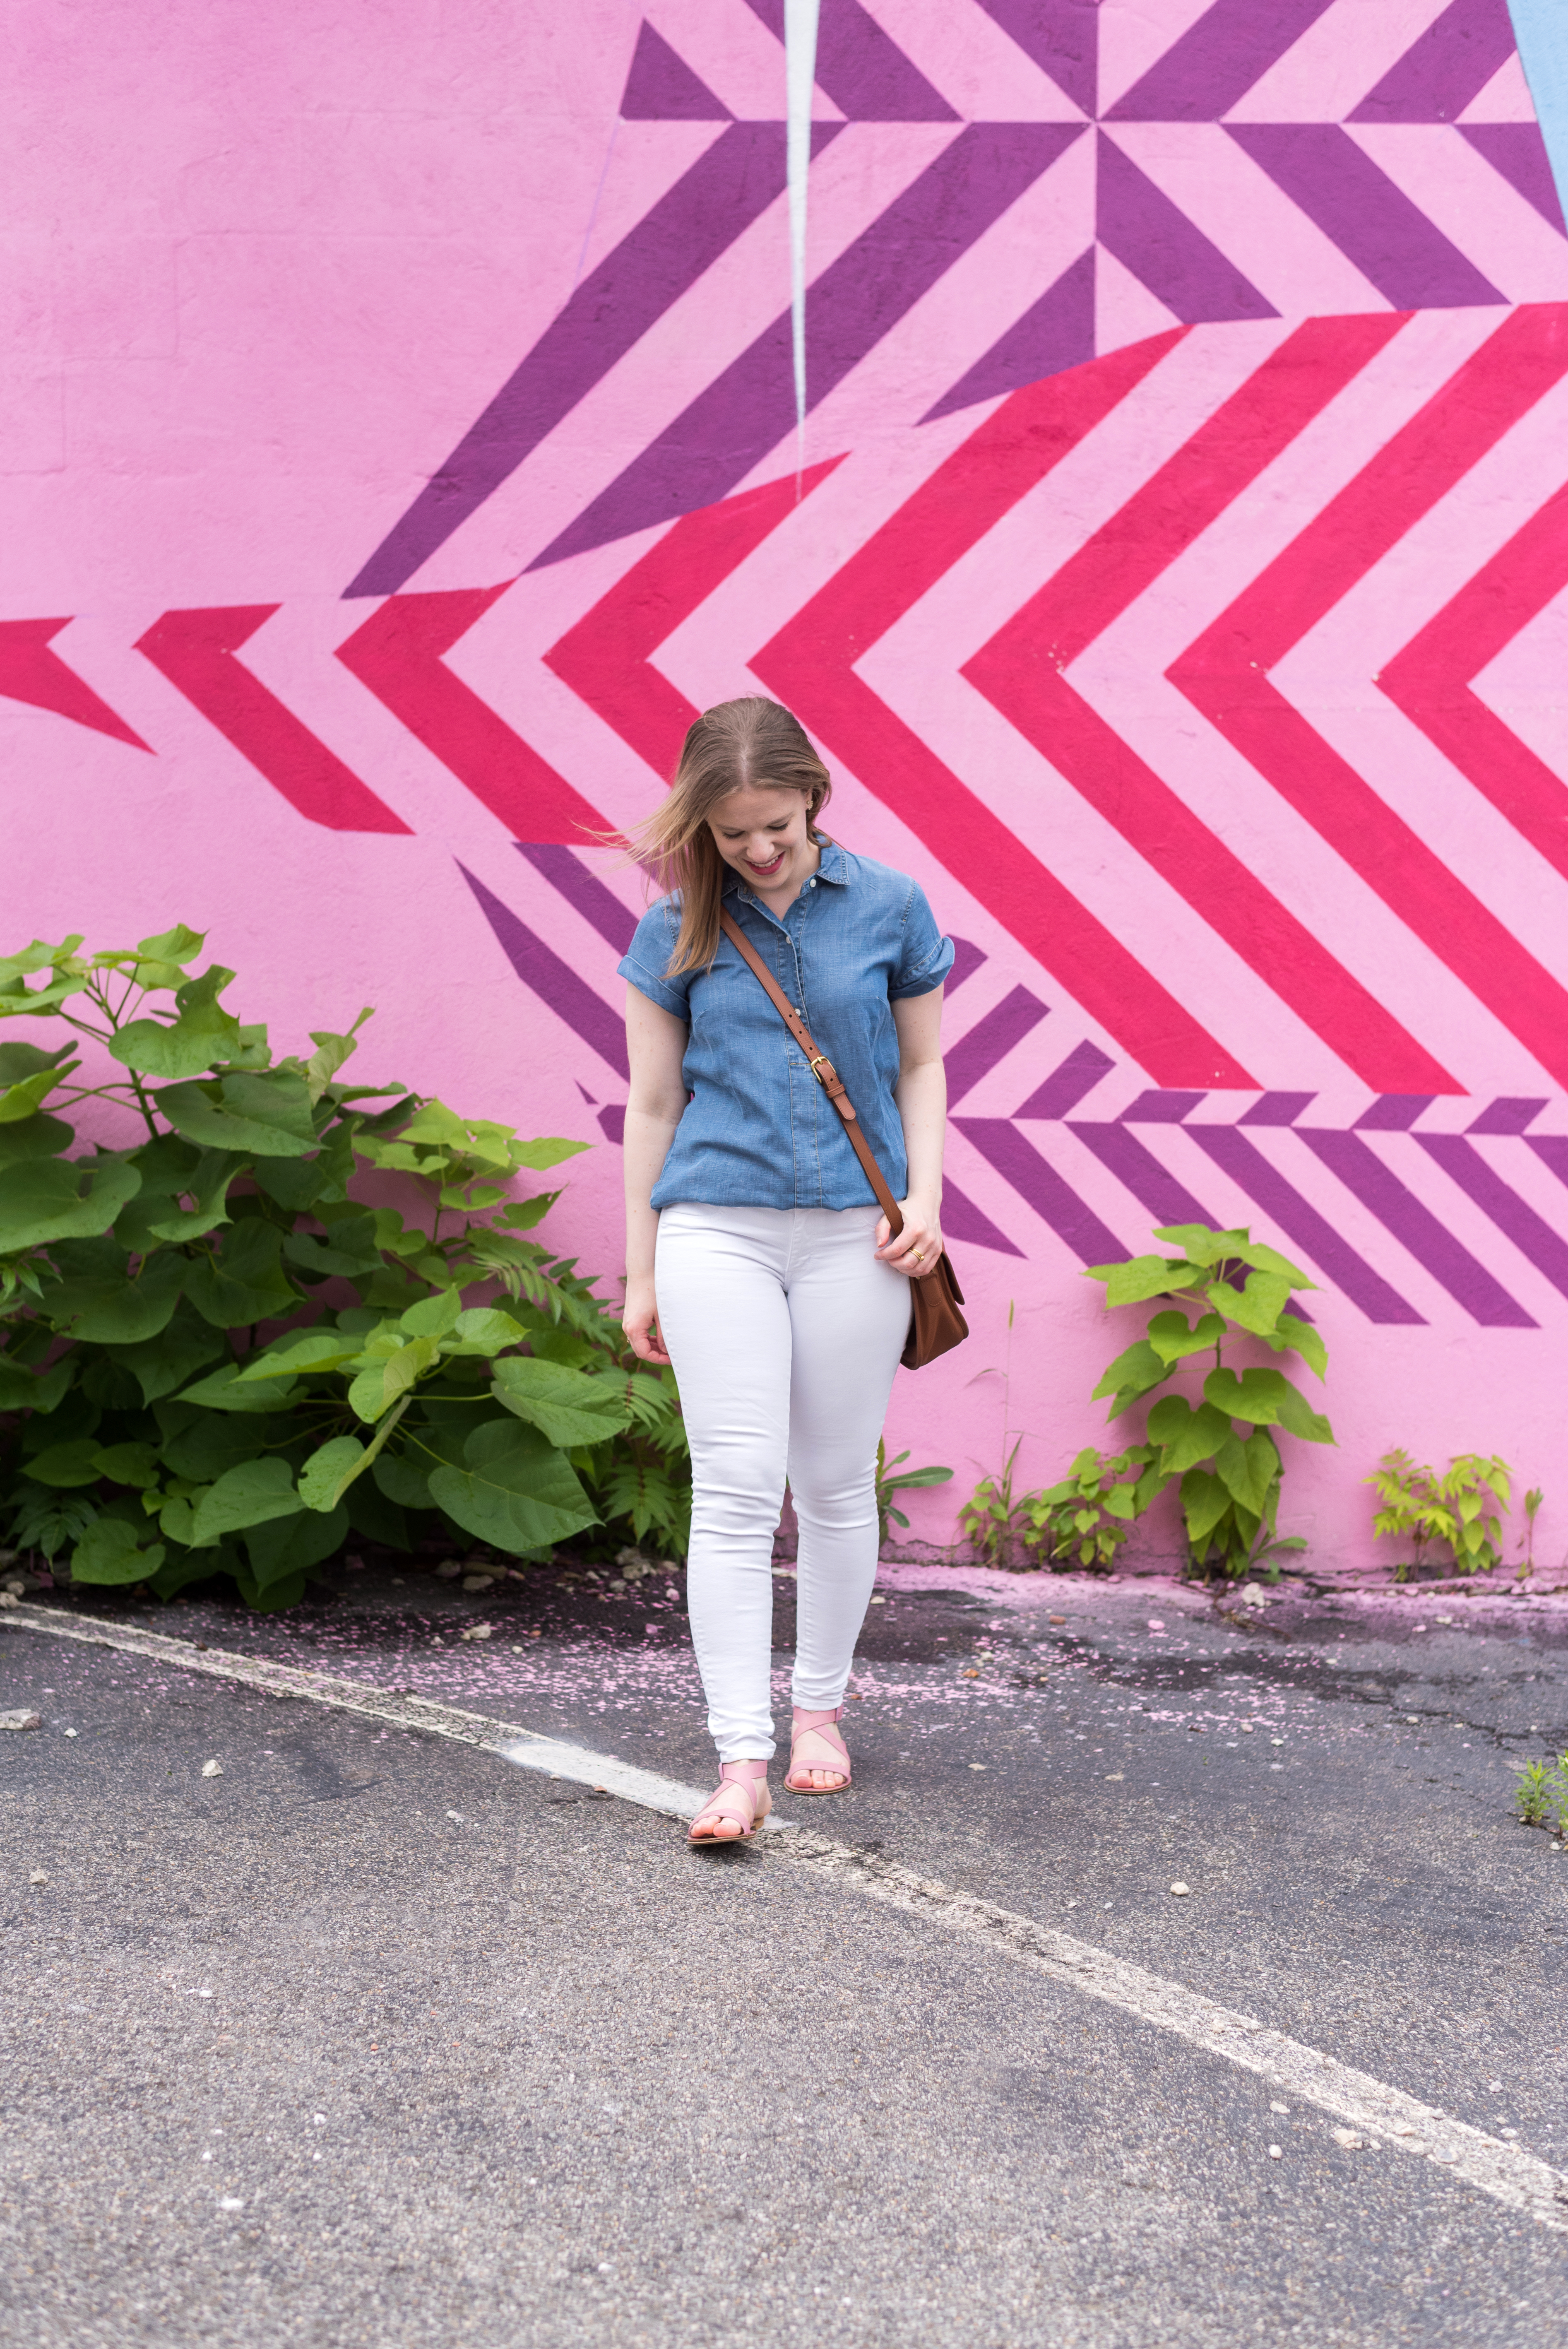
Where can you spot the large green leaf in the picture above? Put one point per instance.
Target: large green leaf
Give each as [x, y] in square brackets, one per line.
[267, 1114]
[1267, 1399]
[47, 1199]
[329, 1473]
[1185, 1436]
[22, 1388]
[160, 959]
[67, 1465]
[513, 1490]
[28, 1075]
[110, 1552]
[1204, 1502]
[135, 1464]
[70, 975]
[1201, 1244]
[547, 1150]
[434, 1316]
[19, 1061]
[225, 1389]
[36, 1137]
[245, 1283]
[119, 1312]
[403, 1478]
[569, 1408]
[1291, 1332]
[377, 1388]
[1249, 1471]
[176, 1518]
[1143, 1277]
[252, 1494]
[163, 1363]
[208, 1191]
[167, 1165]
[1257, 1306]
[300, 1184]
[1173, 1337]
[1131, 1374]
[200, 1035]
[323, 1347]
[487, 1330]
[294, 1546]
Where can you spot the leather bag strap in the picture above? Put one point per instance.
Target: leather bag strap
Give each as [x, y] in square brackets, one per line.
[822, 1069]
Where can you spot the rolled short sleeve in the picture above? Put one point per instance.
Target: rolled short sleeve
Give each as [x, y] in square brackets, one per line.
[927, 955]
[645, 963]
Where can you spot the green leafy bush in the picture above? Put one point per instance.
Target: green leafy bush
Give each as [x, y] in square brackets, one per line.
[1420, 1507]
[214, 1358]
[1086, 1518]
[1222, 1451]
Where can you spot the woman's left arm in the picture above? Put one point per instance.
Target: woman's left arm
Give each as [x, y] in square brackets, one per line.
[921, 1093]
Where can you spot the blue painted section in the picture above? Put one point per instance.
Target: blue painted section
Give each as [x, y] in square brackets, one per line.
[1540, 28]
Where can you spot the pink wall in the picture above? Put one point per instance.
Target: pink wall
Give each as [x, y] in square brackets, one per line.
[1181, 597]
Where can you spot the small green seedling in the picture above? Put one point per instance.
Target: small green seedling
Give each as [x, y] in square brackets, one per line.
[1541, 1798]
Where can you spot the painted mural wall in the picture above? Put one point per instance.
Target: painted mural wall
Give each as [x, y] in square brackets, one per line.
[399, 447]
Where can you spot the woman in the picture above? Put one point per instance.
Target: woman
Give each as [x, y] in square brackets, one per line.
[756, 1259]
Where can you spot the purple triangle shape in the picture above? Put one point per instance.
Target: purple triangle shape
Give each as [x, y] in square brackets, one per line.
[1518, 150]
[662, 88]
[1055, 333]
[1061, 35]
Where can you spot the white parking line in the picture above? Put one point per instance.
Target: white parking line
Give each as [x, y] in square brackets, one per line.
[1379, 2114]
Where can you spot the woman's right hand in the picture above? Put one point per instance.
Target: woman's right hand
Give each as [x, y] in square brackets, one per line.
[640, 1321]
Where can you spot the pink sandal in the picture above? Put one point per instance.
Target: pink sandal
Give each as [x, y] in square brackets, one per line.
[741, 1796]
[832, 1753]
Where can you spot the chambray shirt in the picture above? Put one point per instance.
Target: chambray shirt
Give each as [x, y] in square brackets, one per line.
[758, 1131]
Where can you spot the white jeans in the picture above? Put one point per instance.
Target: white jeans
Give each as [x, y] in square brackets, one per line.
[785, 1333]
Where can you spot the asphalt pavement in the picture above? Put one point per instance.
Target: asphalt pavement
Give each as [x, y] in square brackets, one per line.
[370, 2037]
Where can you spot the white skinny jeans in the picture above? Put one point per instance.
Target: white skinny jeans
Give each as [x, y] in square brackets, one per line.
[785, 1332]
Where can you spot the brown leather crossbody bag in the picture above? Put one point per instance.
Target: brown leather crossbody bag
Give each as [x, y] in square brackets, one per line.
[936, 1322]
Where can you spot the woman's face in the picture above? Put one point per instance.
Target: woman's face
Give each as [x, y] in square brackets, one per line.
[764, 831]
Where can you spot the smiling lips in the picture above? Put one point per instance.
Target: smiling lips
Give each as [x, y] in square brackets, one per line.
[760, 870]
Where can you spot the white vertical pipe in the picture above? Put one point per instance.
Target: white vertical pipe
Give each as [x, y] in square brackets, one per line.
[800, 80]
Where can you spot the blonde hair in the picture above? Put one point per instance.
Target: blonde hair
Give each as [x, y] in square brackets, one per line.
[752, 741]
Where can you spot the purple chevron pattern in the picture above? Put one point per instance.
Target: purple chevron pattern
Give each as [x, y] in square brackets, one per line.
[1233, 177]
